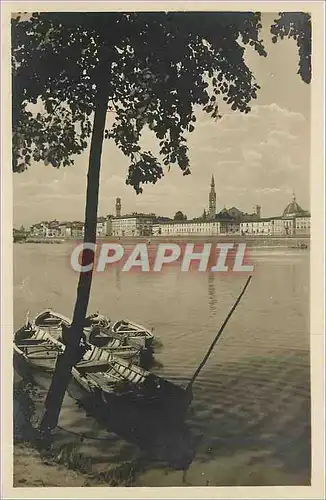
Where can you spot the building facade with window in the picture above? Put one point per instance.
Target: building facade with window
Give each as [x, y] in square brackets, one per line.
[197, 227]
[260, 226]
[132, 225]
[294, 222]
[101, 226]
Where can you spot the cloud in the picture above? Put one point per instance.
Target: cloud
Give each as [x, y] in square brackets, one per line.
[267, 190]
[256, 158]
[268, 152]
[251, 155]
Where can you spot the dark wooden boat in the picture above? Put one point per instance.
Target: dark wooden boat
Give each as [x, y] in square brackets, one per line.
[114, 379]
[300, 246]
[97, 320]
[97, 331]
[37, 347]
[135, 333]
[99, 372]
[126, 330]
[110, 378]
[117, 344]
[124, 338]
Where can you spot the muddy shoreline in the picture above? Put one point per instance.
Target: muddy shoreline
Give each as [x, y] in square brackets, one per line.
[62, 462]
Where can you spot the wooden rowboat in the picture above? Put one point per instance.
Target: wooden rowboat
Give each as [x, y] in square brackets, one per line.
[97, 332]
[100, 372]
[37, 347]
[135, 333]
[112, 379]
[127, 330]
[133, 341]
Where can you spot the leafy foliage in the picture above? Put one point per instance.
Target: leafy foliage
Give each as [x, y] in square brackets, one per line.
[296, 25]
[160, 66]
[150, 69]
[179, 216]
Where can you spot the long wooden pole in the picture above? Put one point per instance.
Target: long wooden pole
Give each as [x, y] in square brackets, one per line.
[219, 333]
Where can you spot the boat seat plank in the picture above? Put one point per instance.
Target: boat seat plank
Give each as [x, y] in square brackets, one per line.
[30, 341]
[103, 379]
[36, 357]
[131, 331]
[37, 348]
[41, 344]
[90, 364]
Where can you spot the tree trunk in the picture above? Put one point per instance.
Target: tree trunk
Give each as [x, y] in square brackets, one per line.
[73, 335]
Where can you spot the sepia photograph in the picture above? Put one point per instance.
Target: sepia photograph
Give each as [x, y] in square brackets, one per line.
[161, 324]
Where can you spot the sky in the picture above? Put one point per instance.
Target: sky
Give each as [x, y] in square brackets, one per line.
[259, 158]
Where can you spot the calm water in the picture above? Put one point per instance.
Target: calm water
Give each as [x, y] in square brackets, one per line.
[250, 414]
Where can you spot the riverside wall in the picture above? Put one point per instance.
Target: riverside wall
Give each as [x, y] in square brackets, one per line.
[293, 241]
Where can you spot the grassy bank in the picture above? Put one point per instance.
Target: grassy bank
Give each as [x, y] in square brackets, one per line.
[54, 464]
[66, 467]
[31, 469]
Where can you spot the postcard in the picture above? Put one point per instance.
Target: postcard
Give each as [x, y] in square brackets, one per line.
[162, 234]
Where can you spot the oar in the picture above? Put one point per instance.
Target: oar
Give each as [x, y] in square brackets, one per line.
[202, 364]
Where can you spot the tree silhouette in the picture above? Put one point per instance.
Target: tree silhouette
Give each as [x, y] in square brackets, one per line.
[179, 216]
[296, 25]
[150, 69]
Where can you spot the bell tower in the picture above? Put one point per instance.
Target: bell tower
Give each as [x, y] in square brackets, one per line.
[212, 200]
[118, 207]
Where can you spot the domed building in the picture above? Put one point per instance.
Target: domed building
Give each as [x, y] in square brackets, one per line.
[293, 209]
[296, 220]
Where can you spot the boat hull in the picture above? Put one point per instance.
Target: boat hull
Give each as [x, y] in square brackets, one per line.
[136, 334]
[115, 340]
[100, 373]
[155, 395]
[36, 348]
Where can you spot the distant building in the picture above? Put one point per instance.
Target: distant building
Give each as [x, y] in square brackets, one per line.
[294, 221]
[20, 234]
[77, 229]
[101, 226]
[132, 225]
[38, 230]
[118, 207]
[256, 226]
[293, 209]
[186, 227]
[258, 210]
[277, 226]
[52, 229]
[222, 224]
[233, 212]
[108, 230]
[212, 201]
[65, 229]
[302, 224]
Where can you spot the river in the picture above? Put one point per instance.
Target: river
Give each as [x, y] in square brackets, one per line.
[250, 418]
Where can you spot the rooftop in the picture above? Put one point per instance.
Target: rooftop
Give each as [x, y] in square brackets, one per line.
[293, 208]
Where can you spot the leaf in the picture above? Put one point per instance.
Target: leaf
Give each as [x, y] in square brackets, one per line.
[158, 65]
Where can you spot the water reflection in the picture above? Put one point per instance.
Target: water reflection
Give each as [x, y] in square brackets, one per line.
[255, 419]
[168, 441]
[251, 402]
[212, 300]
[117, 278]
